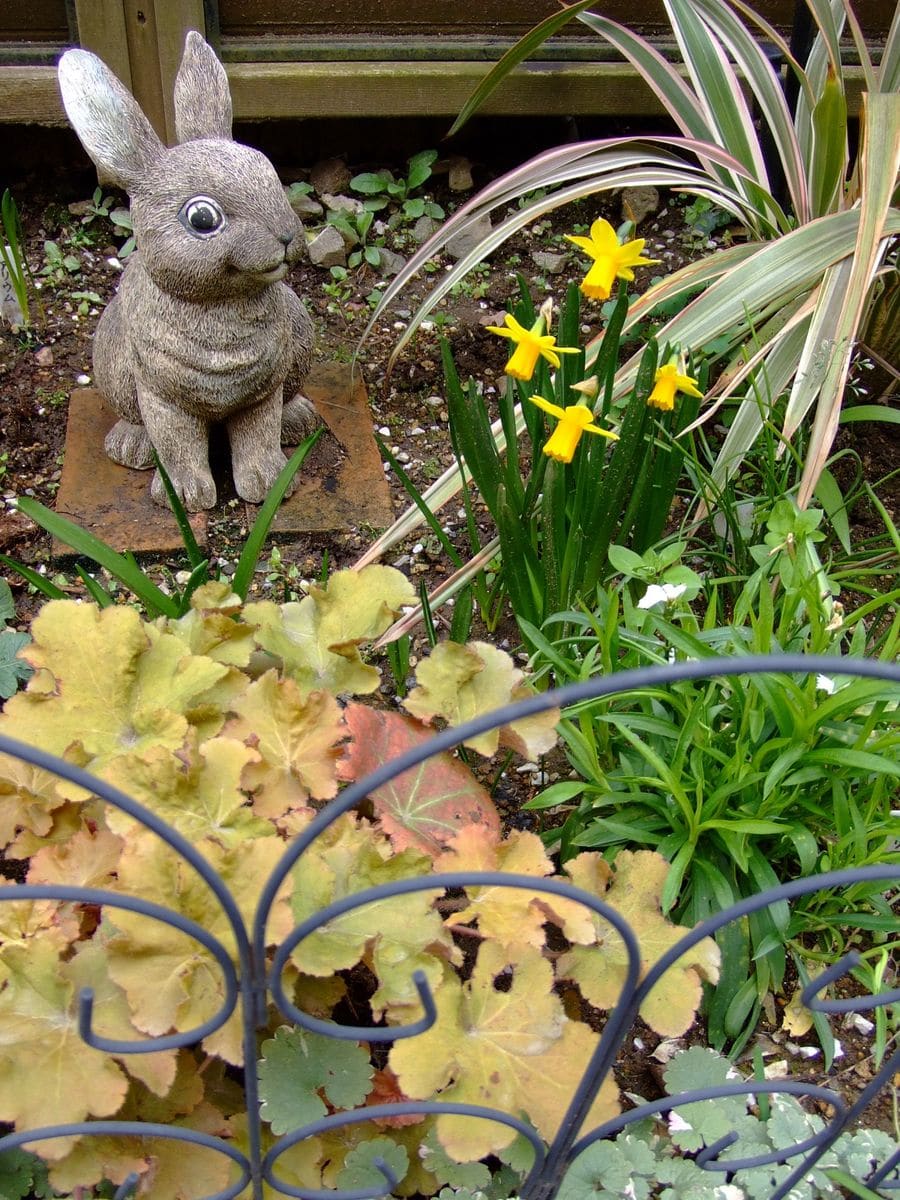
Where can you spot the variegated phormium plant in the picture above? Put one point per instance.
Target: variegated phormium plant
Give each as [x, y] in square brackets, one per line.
[788, 304]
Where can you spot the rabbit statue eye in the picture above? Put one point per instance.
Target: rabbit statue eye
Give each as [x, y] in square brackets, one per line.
[202, 216]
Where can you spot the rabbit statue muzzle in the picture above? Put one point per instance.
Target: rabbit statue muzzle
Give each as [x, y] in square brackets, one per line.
[202, 329]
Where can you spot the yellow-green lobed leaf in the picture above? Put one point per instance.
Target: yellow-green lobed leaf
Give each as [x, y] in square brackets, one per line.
[459, 683]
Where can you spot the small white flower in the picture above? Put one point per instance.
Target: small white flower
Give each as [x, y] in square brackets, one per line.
[825, 684]
[661, 594]
[677, 1124]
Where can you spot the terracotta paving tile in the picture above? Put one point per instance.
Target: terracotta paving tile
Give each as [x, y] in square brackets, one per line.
[342, 484]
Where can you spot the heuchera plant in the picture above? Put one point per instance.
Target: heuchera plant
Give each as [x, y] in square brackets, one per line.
[225, 722]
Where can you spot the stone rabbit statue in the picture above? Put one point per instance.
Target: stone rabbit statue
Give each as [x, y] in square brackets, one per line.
[202, 328]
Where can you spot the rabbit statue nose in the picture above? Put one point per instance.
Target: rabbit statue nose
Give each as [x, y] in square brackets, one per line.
[285, 238]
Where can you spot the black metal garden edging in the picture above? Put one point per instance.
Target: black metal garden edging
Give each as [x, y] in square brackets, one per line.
[253, 982]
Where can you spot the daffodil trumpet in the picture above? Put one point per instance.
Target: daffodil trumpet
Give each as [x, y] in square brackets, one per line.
[531, 344]
[612, 259]
[668, 381]
[573, 421]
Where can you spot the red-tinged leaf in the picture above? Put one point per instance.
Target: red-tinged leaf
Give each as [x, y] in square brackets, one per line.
[386, 1089]
[424, 807]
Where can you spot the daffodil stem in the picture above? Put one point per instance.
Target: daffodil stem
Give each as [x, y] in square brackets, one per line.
[619, 474]
[551, 565]
[606, 362]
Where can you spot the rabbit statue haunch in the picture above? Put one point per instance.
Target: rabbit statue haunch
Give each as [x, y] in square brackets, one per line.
[201, 329]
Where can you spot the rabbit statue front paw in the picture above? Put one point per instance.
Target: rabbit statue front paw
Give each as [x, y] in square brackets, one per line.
[195, 490]
[298, 419]
[129, 445]
[256, 456]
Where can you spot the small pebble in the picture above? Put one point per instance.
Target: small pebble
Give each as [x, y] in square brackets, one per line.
[860, 1023]
[83, 380]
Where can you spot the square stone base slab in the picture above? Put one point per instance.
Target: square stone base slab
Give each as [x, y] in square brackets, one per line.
[114, 502]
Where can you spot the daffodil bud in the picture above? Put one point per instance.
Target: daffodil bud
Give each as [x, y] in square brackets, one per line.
[587, 387]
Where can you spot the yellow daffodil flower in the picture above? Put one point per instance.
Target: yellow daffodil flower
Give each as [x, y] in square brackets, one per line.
[531, 344]
[612, 260]
[666, 382]
[574, 420]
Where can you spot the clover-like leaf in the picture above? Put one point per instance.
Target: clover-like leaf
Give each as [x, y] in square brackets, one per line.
[317, 639]
[635, 890]
[13, 670]
[473, 1175]
[607, 1170]
[424, 808]
[694, 1125]
[297, 738]
[298, 1068]
[361, 1169]
[459, 683]
[20, 1173]
[510, 1048]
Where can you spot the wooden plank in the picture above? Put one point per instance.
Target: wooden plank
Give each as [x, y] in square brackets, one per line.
[370, 89]
[101, 29]
[447, 48]
[33, 21]
[143, 55]
[293, 91]
[30, 95]
[498, 18]
[173, 20]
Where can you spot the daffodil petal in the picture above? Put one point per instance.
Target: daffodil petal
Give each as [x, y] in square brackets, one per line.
[607, 433]
[516, 330]
[583, 242]
[686, 384]
[604, 236]
[553, 409]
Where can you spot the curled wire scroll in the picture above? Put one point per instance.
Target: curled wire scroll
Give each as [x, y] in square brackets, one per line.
[253, 982]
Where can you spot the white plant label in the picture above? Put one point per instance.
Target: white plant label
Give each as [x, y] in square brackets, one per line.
[9, 305]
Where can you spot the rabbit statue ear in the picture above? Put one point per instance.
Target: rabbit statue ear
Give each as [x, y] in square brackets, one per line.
[108, 120]
[202, 97]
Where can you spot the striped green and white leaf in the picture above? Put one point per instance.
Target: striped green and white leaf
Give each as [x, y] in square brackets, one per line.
[789, 308]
